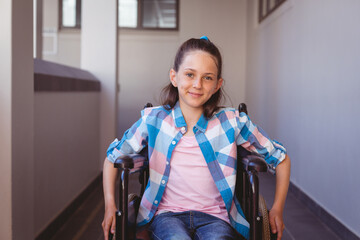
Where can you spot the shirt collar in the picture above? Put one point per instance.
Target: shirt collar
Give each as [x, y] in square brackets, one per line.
[180, 120]
[202, 123]
[178, 116]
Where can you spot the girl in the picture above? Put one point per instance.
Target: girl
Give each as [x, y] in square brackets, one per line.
[192, 156]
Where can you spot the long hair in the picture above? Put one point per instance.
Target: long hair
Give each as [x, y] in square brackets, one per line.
[170, 95]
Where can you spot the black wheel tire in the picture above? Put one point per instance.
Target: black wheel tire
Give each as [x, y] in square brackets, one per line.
[265, 222]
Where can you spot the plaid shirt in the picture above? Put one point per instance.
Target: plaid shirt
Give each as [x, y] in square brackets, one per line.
[218, 138]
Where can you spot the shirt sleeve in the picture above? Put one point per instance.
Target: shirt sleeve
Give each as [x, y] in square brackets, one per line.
[254, 139]
[133, 140]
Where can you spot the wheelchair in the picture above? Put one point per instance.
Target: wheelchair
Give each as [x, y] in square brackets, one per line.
[246, 190]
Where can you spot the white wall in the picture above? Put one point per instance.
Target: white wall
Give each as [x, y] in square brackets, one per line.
[144, 61]
[16, 119]
[66, 145]
[147, 56]
[60, 46]
[5, 120]
[303, 88]
[99, 52]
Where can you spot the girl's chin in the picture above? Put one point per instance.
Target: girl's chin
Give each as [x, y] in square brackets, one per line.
[194, 104]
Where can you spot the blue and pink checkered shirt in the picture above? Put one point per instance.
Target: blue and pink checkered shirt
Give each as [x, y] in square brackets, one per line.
[217, 137]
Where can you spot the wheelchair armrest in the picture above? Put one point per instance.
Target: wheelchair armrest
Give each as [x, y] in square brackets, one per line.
[254, 163]
[133, 162]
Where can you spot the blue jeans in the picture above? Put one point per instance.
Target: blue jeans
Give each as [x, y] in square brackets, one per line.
[190, 225]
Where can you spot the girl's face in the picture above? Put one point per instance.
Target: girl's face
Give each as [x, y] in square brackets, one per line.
[196, 79]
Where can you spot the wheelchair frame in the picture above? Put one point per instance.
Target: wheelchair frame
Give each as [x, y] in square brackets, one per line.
[246, 190]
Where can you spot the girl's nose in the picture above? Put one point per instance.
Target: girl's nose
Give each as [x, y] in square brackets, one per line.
[197, 83]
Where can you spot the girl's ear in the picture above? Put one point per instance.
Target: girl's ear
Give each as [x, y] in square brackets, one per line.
[218, 85]
[173, 77]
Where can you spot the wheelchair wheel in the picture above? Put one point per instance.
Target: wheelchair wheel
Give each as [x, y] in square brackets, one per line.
[133, 206]
[265, 221]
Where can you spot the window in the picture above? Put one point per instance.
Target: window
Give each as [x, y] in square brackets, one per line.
[70, 13]
[149, 14]
[266, 7]
[133, 14]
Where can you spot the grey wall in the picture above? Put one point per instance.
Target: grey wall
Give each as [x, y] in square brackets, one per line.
[303, 71]
[66, 149]
[147, 56]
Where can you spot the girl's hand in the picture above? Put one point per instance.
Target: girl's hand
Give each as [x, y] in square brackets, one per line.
[282, 185]
[109, 221]
[109, 179]
[276, 222]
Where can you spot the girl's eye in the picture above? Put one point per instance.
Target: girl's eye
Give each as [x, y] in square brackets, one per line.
[208, 78]
[189, 75]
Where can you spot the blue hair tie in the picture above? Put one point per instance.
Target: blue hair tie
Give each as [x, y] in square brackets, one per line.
[205, 38]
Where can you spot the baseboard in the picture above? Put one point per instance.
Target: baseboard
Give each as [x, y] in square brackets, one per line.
[337, 227]
[64, 216]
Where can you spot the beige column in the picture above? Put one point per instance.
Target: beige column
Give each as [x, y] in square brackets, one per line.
[99, 56]
[16, 119]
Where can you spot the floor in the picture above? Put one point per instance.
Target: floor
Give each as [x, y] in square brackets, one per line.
[300, 223]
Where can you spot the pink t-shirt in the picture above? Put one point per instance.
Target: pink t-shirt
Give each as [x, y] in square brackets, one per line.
[190, 185]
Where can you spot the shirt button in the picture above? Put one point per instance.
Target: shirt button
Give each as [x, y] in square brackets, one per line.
[148, 218]
[163, 181]
[173, 142]
[156, 201]
[183, 130]
[167, 162]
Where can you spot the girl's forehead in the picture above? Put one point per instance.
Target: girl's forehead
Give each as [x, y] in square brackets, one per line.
[199, 56]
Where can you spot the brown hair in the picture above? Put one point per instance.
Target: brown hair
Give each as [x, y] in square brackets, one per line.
[169, 94]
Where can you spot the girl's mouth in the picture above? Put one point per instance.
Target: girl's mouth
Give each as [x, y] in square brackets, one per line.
[195, 94]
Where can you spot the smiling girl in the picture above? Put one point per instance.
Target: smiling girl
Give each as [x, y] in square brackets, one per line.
[192, 156]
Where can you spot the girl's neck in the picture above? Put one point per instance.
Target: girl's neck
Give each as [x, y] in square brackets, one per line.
[191, 116]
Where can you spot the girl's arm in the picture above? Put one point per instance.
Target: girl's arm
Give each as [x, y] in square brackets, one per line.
[254, 139]
[282, 185]
[109, 180]
[133, 141]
